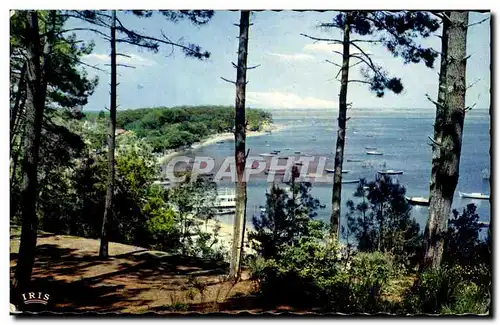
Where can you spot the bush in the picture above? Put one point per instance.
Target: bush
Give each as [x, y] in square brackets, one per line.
[449, 289]
[162, 226]
[369, 275]
[469, 298]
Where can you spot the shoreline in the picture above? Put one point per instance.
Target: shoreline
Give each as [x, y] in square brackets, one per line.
[213, 139]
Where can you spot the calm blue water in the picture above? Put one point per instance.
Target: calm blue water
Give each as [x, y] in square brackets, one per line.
[400, 134]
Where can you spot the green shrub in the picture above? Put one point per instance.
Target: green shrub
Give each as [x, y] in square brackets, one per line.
[468, 298]
[161, 225]
[449, 289]
[369, 274]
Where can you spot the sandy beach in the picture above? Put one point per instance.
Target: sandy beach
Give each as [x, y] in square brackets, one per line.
[216, 138]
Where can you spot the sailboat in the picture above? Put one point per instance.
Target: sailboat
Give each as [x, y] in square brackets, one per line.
[476, 195]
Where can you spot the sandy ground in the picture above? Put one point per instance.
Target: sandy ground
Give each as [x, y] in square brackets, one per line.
[132, 280]
[219, 137]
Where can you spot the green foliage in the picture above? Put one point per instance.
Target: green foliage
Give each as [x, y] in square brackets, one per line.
[286, 218]
[462, 243]
[450, 289]
[166, 128]
[382, 221]
[161, 225]
[468, 298]
[397, 32]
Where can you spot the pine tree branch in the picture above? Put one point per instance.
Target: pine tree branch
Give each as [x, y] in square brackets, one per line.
[227, 80]
[323, 39]
[360, 81]
[473, 83]
[122, 54]
[106, 37]
[432, 101]
[253, 67]
[434, 142]
[366, 41]
[468, 108]
[479, 22]
[335, 64]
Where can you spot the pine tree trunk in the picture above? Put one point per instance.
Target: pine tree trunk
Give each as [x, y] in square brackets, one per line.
[339, 151]
[35, 104]
[110, 183]
[239, 153]
[448, 130]
[17, 104]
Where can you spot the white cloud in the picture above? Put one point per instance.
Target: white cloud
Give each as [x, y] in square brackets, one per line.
[322, 47]
[130, 59]
[293, 57]
[286, 100]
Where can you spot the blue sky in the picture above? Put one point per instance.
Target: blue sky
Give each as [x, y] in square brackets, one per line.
[292, 73]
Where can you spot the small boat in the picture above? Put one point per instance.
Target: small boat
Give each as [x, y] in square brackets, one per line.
[267, 155]
[390, 172]
[418, 200]
[354, 160]
[350, 181]
[297, 152]
[484, 224]
[219, 142]
[371, 148]
[275, 151]
[479, 196]
[275, 172]
[374, 153]
[331, 170]
[283, 157]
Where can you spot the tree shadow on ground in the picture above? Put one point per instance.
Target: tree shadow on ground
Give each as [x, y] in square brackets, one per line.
[78, 281]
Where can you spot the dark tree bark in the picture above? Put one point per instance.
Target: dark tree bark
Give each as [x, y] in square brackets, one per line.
[448, 129]
[339, 150]
[239, 152]
[37, 69]
[110, 183]
[14, 114]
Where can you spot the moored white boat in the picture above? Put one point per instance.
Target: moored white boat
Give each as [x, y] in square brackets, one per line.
[374, 153]
[479, 196]
[331, 171]
[390, 172]
[418, 200]
[225, 202]
[267, 155]
[350, 181]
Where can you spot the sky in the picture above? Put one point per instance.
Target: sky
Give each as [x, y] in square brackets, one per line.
[292, 70]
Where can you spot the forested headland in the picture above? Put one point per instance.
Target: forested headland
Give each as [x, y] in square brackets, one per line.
[173, 127]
